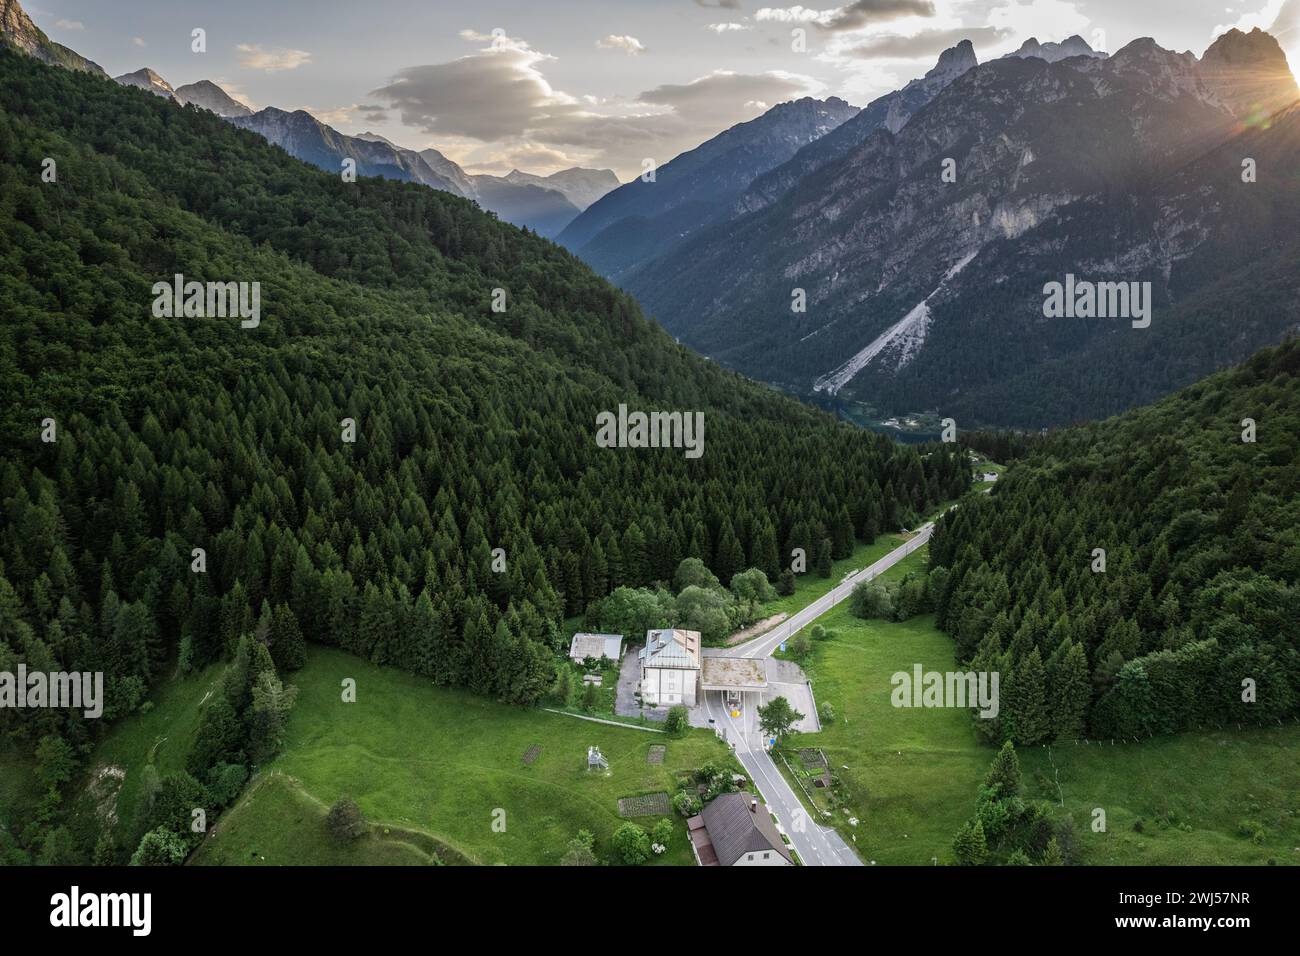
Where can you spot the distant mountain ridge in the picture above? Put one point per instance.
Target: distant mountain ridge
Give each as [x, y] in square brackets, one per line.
[545, 204]
[926, 294]
[696, 188]
[211, 97]
[146, 79]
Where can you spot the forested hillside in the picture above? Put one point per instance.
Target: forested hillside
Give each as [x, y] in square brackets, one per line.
[474, 429]
[1140, 575]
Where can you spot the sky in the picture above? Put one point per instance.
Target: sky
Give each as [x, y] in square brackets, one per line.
[548, 84]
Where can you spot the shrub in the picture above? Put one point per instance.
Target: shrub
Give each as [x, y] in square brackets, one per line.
[632, 844]
[345, 821]
[686, 803]
[160, 847]
[826, 713]
[678, 721]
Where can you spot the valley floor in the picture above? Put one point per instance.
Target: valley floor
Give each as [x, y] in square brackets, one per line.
[909, 776]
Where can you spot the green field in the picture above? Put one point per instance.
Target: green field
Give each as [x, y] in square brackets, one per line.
[277, 822]
[912, 774]
[439, 762]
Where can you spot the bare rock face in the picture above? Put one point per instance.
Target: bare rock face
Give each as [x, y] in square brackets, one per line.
[18, 31]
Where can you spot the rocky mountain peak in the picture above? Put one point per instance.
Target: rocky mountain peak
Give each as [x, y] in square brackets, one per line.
[954, 61]
[146, 79]
[1256, 49]
[1249, 73]
[211, 97]
[1052, 52]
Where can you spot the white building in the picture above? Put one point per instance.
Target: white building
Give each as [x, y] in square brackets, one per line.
[670, 667]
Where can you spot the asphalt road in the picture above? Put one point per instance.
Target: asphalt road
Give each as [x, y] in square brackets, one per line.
[816, 845]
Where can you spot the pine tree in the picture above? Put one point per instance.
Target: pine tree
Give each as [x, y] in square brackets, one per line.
[969, 845]
[1004, 775]
[823, 558]
[1029, 718]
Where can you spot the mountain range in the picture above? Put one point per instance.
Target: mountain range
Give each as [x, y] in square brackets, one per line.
[546, 204]
[921, 233]
[696, 188]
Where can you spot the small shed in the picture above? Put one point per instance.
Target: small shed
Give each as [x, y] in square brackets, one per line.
[596, 646]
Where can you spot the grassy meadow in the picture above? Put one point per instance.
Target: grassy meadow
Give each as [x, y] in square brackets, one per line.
[909, 776]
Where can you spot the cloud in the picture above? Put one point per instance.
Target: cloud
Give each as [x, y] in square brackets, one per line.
[137, 41]
[851, 16]
[1049, 20]
[888, 46]
[335, 117]
[494, 93]
[722, 96]
[63, 24]
[494, 108]
[719, 4]
[254, 57]
[728, 27]
[627, 44]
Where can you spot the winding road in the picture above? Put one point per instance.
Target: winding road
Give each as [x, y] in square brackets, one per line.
[816, 845]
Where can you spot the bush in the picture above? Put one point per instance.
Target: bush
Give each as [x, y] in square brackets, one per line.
[580, 851]
[826, 713]
[632, 844]
[662, 834]
[678, 721]
[687, 803]
[160, 847]
[345, 821]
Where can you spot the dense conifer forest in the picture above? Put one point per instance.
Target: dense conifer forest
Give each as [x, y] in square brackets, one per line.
[474, 430]
[1140, 575]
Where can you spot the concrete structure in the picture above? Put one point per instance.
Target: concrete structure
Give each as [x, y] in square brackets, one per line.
[596, 646]
[735, 829]
[670, 667]
[733, 677]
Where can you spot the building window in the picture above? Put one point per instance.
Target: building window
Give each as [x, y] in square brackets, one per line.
[750, 857]
[767, 856]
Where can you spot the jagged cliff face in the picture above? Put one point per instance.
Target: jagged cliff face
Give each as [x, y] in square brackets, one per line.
[1122, 168]
[891, 111]
[18, 31]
